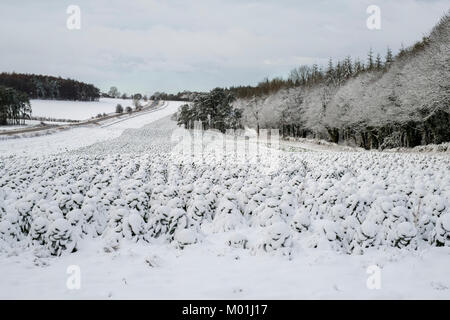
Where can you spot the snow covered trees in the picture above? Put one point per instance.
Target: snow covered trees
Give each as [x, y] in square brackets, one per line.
[402, 101]
[114, 92]
[119, 108]
[442, 231]
[213, 109]
[14, 106]
[60, 237]
[351, 202]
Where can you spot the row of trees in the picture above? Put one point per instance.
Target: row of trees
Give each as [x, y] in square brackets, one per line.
[335, 73]
[128, 109]
[398, 101]
[48, 87]
[180, 96]
[214, 109]
[115, 93]
[14, 106]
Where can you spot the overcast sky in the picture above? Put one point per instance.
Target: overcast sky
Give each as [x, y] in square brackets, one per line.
[171, 45]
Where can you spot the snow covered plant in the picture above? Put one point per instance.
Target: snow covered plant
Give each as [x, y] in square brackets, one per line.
[185, 237]
[442, 231]
[301, 221]
[347, 202]
[60, 238]
[237, 240]
[228, 217]
[277, 238]
[39, 229]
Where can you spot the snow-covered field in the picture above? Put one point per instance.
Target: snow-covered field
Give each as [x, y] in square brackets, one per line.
[76, 110]
[29, 124]
[79, 137]
[145, 221]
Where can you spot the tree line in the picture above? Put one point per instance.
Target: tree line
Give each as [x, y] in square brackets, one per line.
[395, 101]
[115, 93]
[335, 72]
[49, 87]
[180, 96]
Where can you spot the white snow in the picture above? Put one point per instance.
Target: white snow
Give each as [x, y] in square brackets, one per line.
[147, 222]
[185, 237]
[30, 123]
[71, 139]
[76, 110]
[141, 119]
[56, 142]
[209, 271]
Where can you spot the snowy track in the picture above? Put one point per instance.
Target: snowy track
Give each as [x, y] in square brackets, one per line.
[140, 114]
[167, 108]
[71, 139]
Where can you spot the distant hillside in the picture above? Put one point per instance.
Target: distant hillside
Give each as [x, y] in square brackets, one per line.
[403, 102]
[48, 87]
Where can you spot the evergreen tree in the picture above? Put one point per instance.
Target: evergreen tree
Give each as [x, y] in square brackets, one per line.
[358, 67]
[14, 106]
[378, 62]
[389, 58]
[214, 110]
[330, 72]
[370, 64]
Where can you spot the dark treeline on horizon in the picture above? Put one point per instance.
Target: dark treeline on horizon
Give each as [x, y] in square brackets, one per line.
[49, 87]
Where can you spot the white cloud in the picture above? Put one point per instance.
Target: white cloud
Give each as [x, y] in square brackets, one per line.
[198, 44]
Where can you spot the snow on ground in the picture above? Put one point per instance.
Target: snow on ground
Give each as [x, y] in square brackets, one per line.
[30, 123]
[141, 119]
[147, 222]
[443, 147]
[208, 271]
[56, 142]
[83, 136]
[297, 144]
[76, 110]
[316, 145]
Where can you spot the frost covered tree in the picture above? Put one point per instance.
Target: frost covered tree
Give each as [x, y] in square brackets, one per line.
[60, 238]
[114, 92]
[389, 58]
[277, 239]
[378, 63]
[14, 106]
[401, 102]
[213, 109]
[370, 62]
